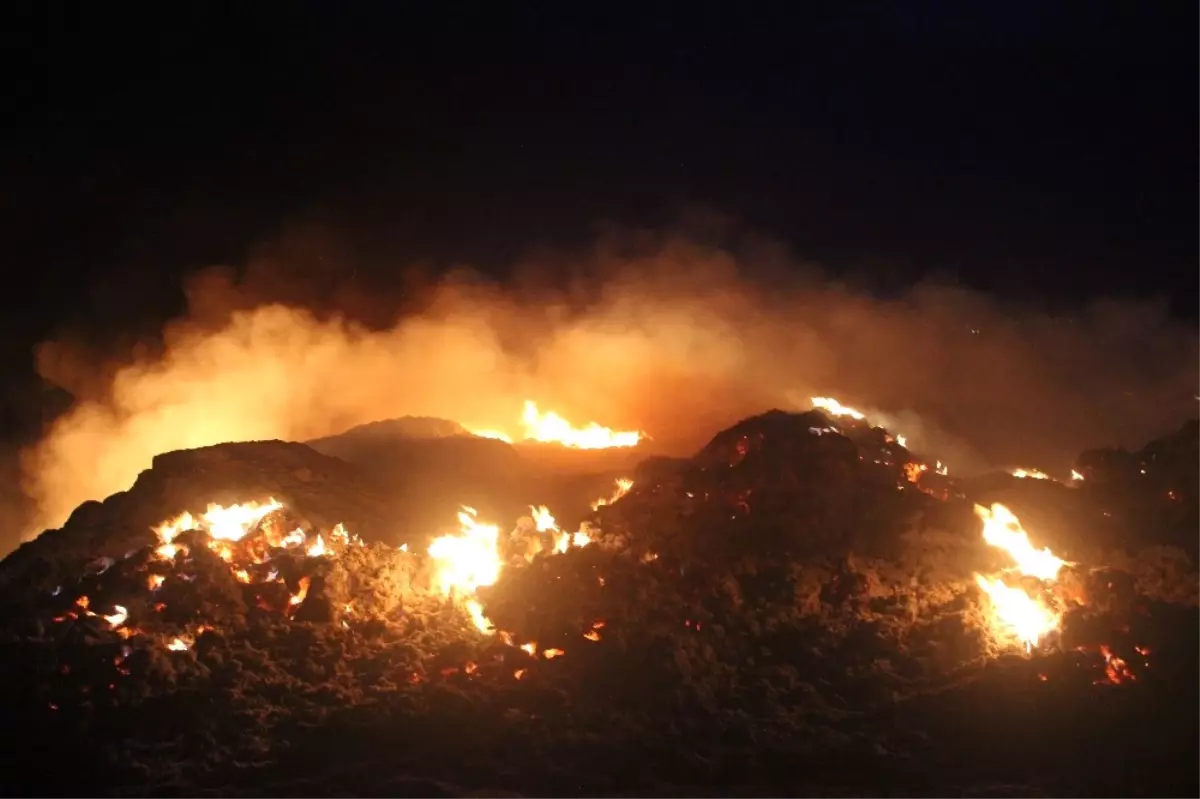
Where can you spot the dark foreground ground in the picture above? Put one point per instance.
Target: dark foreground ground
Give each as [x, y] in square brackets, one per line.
[778, 615]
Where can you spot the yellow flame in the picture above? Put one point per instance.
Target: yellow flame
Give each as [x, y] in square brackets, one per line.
[549, 427]
[1017, 614]
[623, 484]
[1001, 528]
[466, 561]
[832, 406]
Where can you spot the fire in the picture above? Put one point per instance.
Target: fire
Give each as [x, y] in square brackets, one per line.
[562, 541]
[1017, 614]
[469, 559]
[549, 427]
[1116, 670]
[1076, 476]
[832, 406]
[230, 523]
[301, 594]
[623, 485]
[1032, 474]
[1001, 528]
[317, 550]
[913, 471]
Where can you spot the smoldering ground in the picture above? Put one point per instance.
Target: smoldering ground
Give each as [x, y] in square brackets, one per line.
[670, 334]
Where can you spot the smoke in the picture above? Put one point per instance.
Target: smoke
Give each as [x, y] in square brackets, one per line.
[663, 333]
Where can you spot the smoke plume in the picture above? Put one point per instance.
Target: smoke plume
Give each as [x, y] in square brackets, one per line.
[666, 334]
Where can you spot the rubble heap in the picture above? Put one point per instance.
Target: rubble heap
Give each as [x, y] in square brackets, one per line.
[795, 608]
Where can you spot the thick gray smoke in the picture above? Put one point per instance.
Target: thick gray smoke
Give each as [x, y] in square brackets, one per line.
[659, 333]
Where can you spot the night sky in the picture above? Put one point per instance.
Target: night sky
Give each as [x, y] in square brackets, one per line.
[1040, 151]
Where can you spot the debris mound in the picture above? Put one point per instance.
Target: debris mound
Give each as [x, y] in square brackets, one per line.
[798, 608]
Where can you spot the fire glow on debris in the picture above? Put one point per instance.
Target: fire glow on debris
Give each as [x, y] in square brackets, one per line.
[548, 427]
[246, 537]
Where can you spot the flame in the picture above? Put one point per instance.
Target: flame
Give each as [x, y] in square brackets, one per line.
[317, 550]
[623, 485]
[230, 523]
[1015, 613]
[233, 522]
[1001, 528]
[1032, 474]
[469, 559]
[1076, 475]
[549, 427]
[552, 653]
[543, 519]
[832, 406]
[1116, 670]
[118, 617]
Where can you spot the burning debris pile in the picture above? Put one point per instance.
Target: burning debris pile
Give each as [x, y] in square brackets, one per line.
[804, 596]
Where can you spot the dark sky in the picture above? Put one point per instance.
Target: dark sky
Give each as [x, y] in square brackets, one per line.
[1039, 150]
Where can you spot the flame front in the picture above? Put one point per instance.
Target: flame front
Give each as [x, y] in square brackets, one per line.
[835, 408]
[549, 427]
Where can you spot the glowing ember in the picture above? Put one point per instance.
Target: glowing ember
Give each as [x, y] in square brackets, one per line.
[913, 471]
[549, 427]
[155, 581]
[1076, 475]
[1116, 670]
[552, 653]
